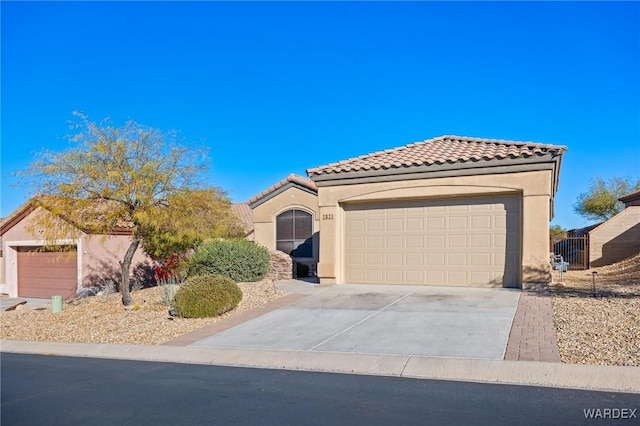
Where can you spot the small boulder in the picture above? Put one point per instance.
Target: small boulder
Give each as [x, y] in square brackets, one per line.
[95, 290]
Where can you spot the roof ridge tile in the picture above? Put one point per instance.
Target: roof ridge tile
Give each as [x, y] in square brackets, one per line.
[291, 178]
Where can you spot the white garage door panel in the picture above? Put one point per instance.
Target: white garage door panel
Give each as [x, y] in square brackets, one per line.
[467, 242]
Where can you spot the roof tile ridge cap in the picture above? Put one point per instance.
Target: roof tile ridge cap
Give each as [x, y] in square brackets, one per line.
[256, 197]
[435, 139]
[488, 140]
[458, 138]
[301, 180]
[267, 191]
[532, 144]
[296, 178]
[275, 186]
[538, 148]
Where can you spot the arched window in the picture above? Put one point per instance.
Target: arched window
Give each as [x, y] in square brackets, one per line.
[294, 229]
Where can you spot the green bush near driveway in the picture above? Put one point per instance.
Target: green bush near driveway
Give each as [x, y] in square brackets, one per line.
[239, 260]
[206, 296]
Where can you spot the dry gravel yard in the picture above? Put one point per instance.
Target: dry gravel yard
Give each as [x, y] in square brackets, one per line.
[604, 329]
[103, 319]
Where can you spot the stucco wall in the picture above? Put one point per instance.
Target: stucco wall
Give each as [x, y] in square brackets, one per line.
[102, 255]
[97, 255]
[615, 239]
[534, 187]
[264, 217]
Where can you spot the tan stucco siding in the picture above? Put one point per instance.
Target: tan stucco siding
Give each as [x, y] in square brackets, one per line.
[615, 239]
[534, 188]
[264, 216]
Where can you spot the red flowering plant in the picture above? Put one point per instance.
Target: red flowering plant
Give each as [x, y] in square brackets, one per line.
[170, 272]
[171, 269]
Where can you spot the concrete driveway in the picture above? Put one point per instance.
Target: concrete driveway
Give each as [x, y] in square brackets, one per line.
[378, 319]
[29, 302]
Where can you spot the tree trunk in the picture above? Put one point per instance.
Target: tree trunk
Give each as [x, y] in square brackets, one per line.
[125, 267]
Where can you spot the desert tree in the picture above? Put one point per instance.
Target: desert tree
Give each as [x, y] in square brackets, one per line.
[600, 202]
[134, 178]
[557, 232]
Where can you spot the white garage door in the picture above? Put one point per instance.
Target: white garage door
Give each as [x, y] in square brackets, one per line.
[461, 242]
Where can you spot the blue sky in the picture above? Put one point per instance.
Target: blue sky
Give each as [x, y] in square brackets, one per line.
[276, 88]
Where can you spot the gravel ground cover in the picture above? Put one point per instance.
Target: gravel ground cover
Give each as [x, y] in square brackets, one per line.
[601, 327]
[103, 319]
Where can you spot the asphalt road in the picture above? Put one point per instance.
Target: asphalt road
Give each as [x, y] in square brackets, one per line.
[51, 390]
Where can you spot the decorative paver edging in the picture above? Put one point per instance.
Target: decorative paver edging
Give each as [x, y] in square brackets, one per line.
[533, 334]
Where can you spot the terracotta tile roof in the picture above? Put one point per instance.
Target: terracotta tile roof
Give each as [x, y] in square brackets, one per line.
[292, 178]
[440, 150]
[243, 212]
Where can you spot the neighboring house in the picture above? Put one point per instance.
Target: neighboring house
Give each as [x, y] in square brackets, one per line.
[574, 248]
[446, 211]
[31, 270]
[243, 212]
[619, 237]
[285, 217]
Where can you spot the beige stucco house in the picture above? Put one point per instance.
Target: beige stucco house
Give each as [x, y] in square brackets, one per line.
[446, 211]
[30, 270]
[285, 217]
[619, 237]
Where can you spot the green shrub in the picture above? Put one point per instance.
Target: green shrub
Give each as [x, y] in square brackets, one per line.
[240, 260]
[206, 296]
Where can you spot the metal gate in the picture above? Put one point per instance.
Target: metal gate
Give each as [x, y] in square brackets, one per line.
[574, 250]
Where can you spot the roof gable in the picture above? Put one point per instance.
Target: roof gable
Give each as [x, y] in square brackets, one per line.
[17, 216]
[290, 181]
[88, 214]
[443, 150]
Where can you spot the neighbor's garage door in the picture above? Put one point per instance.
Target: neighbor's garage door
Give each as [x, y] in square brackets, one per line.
[45, 274]
[462, 242]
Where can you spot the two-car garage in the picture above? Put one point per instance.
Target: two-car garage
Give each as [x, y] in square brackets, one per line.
[448, 211]
[456, 241]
